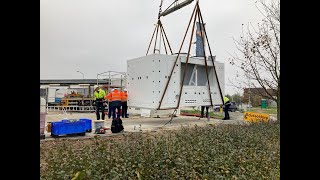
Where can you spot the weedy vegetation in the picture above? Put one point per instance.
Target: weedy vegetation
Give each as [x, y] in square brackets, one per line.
[211, 152]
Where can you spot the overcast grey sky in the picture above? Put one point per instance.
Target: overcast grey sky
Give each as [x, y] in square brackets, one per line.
[94, 36]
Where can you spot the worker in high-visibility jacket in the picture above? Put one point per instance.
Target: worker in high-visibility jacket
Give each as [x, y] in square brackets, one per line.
[110, 106]
[115, 97]
[124, 105]
[99, 94]
[227, 105]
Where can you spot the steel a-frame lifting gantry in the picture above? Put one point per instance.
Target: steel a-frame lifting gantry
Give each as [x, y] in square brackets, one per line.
[196, 14]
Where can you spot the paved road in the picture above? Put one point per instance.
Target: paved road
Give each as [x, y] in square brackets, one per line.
[137, 124]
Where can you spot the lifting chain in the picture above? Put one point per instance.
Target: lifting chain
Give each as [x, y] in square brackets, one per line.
[160, 9]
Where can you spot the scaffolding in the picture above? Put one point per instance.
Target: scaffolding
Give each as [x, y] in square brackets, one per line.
[114, 79]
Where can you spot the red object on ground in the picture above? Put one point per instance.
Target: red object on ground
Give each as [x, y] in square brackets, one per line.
[196, 115]
[187, 114]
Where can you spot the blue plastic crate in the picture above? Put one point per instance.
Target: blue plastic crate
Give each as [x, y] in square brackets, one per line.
[88, 123]
[65, 121]
[65, 128]
[57, 100]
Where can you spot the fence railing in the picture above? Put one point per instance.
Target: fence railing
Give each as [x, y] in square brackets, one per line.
[71, 108]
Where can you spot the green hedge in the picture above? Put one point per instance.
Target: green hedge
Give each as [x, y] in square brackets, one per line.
[211, 152]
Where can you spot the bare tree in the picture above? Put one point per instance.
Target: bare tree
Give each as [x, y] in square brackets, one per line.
[258, 54]
[236, 98]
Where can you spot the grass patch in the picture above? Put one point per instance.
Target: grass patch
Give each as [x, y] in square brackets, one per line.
[268, 110]
[211, 152]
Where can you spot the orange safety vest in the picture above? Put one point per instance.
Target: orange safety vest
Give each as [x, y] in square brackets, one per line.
[114, 96]
[108, 97]
[124, 97]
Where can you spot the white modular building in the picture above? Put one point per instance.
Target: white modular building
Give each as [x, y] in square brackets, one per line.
[147, 77]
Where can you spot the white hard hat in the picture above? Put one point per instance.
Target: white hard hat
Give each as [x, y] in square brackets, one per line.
[112, 90]
[125, 90]
[95, 86]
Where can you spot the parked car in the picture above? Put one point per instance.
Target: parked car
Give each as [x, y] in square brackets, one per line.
[216, 108]
[233, 107]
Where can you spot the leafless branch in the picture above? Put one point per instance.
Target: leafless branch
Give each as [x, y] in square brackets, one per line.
[259, 51]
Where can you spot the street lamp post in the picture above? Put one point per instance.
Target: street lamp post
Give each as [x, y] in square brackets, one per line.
[81, 73]
[83, 82]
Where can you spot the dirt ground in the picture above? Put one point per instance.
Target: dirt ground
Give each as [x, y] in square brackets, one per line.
[137, 123]
[140, 124]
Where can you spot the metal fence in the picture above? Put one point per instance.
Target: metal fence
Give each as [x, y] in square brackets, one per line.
[71, 108]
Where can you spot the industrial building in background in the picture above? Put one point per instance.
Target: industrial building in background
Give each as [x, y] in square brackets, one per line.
[77, 94]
